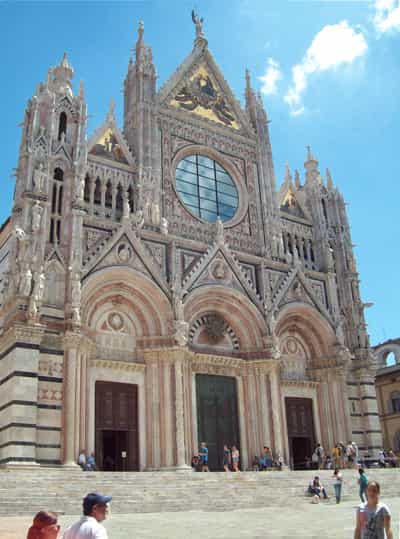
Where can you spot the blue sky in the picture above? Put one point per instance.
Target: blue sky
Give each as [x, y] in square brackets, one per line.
[344, 100]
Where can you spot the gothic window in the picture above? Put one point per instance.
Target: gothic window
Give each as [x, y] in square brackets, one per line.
[86, 192]
[206, 189]
[56, 206]
[312, 252]
[62, 125]
[97, 191]
[119, 199]
[305, 249]
[290, 244]
[324, 209]
[130, 197]
[297, 244]
[109, 195]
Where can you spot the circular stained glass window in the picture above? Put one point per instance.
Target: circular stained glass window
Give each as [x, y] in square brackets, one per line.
[206, 188]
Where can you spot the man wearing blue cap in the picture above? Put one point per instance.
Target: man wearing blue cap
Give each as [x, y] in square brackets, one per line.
[95, 509]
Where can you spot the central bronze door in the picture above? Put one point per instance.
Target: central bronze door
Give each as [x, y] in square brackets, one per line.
[116, 417]
[217, 416]
[300, 425]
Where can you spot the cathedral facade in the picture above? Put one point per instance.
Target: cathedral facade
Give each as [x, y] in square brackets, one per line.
[157, 290]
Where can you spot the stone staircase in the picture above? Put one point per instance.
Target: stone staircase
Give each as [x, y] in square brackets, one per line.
[26, 491]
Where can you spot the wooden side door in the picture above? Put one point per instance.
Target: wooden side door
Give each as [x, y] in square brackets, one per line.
[117, 412]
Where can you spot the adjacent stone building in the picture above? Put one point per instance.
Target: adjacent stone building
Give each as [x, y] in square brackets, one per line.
[158, 291]
[387, 385]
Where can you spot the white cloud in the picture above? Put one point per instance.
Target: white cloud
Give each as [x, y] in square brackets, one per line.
[271, 77]
[387, 15]
[334, 45]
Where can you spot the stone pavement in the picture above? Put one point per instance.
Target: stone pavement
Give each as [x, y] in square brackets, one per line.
[301, 521]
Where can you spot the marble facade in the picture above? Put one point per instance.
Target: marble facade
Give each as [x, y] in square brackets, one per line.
[106, 275]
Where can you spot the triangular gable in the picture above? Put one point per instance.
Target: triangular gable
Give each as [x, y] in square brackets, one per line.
[107, 142]
[218, 266]
[296, 288]
[62, 151]
[289, 203]
[55, 256]
[126, 249]
[199, 88]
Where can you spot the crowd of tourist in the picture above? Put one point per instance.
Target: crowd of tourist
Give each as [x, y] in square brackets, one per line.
[347, 456]
[231, 460]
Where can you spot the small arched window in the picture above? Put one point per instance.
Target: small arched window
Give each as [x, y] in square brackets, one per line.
[324, 209]
[395, 401]
[130, 197]
[109, 195]
[86, 192]
[62, 125]
[312, 252]
[119, 200]
[97, 191]
[58, 174]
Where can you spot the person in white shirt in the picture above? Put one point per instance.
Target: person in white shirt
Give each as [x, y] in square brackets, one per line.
[95, 509]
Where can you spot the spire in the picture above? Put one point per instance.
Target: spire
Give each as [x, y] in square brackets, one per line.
[140, 42]
[81, 90]
[111, 111]
[297, 179]
[311, 166]
[288, 176]
[200, 40]
[63, 74]
[329, 182]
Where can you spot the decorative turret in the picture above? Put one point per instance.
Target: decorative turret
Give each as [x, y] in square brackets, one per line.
[139, 94]
[311, 166]
[251, 101]
[51, 164]
[62, 76]
[297, 181]
[329, 183]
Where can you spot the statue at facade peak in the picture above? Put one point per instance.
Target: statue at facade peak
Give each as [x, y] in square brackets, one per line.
[198, 22]
[37, 211]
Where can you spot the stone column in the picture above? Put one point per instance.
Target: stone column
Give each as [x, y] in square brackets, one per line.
[179, 356]
[276, 409]
[71, 394]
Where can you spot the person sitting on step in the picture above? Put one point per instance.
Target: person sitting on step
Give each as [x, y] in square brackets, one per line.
[316, 488]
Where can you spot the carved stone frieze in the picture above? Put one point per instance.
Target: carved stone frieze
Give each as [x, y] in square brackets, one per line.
[117, 365]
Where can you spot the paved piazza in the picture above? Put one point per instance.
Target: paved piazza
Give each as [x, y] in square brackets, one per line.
[305, 520]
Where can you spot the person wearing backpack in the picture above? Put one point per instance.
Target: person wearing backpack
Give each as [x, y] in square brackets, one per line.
[363, 483]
